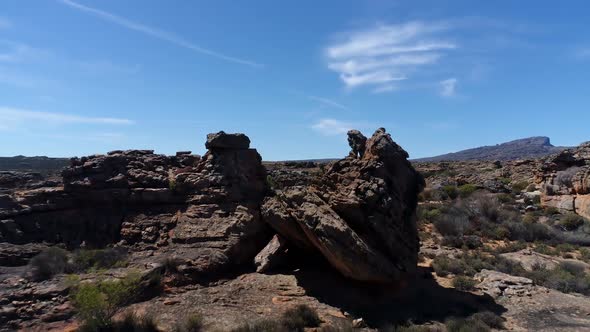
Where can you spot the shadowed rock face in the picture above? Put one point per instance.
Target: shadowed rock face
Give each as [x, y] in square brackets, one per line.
[360, 215]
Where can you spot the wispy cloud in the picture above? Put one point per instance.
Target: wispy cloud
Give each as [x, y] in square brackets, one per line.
[331, 127]
[16, 115]
[387, 53]
[106, 67]
[11, 51]
[157, 33]
[582, 53]
[4, 23]
[385, 88]
[448, 87]
[328, 102]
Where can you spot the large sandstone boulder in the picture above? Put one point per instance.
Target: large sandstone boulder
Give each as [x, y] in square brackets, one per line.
[203, 212]
[360, 215]
[565, 180]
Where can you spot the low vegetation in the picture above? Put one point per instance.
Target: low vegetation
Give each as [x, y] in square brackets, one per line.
[295, 319]
[53, 261]
[96, 302]
[192, 323]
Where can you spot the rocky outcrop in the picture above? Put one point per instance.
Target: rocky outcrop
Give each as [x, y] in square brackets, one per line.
[565, 180]
[204, 211]
[360, 215]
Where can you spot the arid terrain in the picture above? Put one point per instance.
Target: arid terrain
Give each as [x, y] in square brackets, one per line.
[137, 241]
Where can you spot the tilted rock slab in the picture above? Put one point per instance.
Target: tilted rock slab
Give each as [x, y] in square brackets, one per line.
[360, 215]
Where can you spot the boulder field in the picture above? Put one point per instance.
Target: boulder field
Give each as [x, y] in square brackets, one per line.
[219, 213]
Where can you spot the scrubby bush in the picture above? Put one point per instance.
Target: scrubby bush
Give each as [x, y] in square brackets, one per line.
[488, 207]
[529, 232]
[504, 198]
[453, 223]
[48, 263]
[451, 191]
[300, 317]
[466, 325]
[479, 322]
[192, 323]
[92, 260]
[490, 319]
[134, 323]
[571, 222]
[519, 187]
[564, 178]
[585, 254]
[466, 190]
[265, 325]
[568, 277]
[464, 283]
[96, 302]
[295, 319]
[466, 241]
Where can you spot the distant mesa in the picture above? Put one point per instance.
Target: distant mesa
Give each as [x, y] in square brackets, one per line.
[525, 148]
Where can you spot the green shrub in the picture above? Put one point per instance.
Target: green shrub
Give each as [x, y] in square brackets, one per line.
[134, 323]
[192, 323]
[466, 325]
[519, 187]
[300, 317]
[506, 181]
[489, 208]
[463, 283]
[265, 325]
[444, 266]
[451, 191]
[92, 260]
[466, 190]
[96, 302]
[48, 263]
[551, 211]
[585, 254]
[571, 221]
[490, 319]
[295, 319]
[511, 247]
[568, 277]
[453, 223]
[504, 198]
[529, 232]
[466, 241]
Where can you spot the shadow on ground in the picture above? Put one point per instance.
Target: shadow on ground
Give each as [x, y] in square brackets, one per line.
[418, 300]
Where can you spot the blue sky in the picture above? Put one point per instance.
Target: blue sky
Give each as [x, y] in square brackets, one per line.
[79, 77]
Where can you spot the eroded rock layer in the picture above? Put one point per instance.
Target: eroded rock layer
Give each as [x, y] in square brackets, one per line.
[205, 212]
[360, 214]
[565, 180]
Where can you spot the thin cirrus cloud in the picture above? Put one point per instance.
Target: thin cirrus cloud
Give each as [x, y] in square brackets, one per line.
[328, 102]
[331, 127]
[448, 87]
[4, 23]
[11, 51]
[157, 33]
[386, 54]
[17, 116]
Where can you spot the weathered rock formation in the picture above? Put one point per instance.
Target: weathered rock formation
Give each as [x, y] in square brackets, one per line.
[204, 211]
[360, 215]
[565, 180]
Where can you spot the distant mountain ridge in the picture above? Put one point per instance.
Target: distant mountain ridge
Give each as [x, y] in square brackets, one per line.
[531, 147]
[40, 164]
